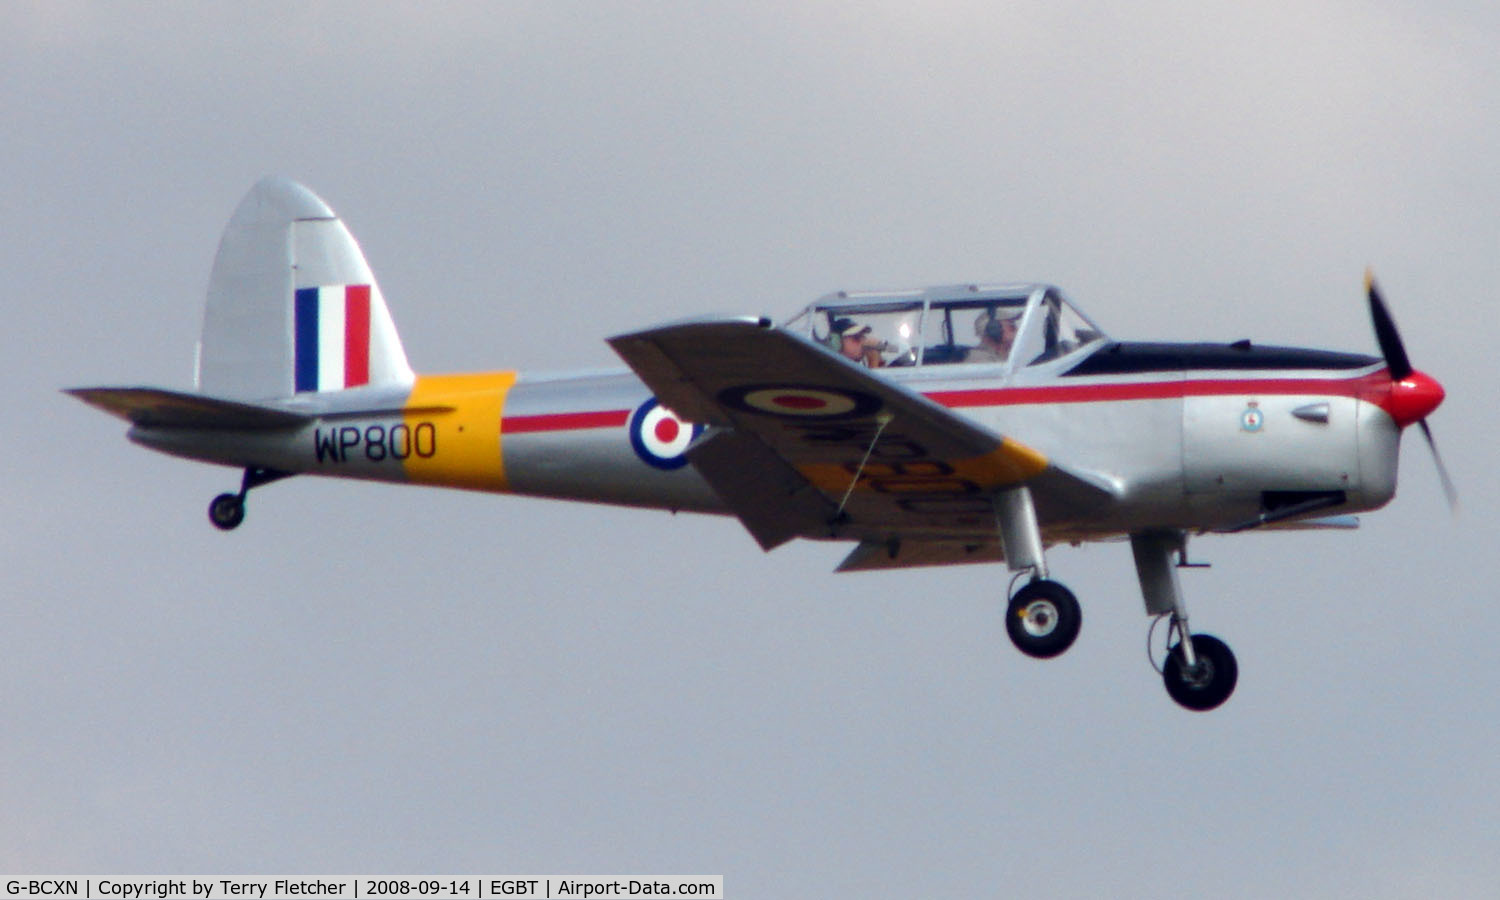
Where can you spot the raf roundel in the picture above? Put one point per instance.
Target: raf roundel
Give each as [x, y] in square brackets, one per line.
[796, 401]
[658, 437]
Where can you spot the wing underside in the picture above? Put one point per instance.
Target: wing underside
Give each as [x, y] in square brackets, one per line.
[803, 443]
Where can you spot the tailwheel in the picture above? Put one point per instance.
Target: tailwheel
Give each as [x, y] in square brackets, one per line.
[227, 511]
[1043, 619]
[1207, 683]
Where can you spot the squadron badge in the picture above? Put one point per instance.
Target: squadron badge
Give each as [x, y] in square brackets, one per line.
[1252, 419]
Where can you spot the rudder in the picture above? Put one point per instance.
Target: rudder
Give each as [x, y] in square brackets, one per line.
[292, 304]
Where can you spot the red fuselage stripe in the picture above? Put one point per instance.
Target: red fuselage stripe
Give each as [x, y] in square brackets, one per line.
[565, 421]
[1373, 388]
[1362, 387]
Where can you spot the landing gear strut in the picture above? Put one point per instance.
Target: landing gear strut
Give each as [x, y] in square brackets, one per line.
[227, 511]
[1200, 671]
[1043, 617]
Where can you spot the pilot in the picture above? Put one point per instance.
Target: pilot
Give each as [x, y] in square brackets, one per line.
[997, 332]
[855, 343]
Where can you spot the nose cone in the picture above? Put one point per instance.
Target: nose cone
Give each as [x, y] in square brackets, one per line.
[1413, 398]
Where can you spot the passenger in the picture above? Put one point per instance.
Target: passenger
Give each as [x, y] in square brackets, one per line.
[997, 332]
[856, 344]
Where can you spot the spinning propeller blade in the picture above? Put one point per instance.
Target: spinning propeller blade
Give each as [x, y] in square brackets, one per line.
[1414, 395]
[1449, 490]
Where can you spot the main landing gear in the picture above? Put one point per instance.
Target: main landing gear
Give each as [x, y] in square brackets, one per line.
[227, 511]
[1043, 617]
[1200, 671]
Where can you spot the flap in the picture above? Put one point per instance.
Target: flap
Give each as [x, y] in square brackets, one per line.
[871, 556]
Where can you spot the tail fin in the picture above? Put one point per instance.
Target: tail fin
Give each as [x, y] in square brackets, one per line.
[292, 304]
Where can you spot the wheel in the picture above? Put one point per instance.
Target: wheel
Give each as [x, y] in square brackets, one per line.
[1214, 679]
[227, 511]
[1043, 619]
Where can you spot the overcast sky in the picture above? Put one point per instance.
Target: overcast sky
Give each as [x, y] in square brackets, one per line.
[379, 679]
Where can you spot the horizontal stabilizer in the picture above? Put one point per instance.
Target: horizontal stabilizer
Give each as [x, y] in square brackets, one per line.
[156, 408]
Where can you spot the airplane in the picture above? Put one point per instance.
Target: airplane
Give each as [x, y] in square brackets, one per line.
[972, 423]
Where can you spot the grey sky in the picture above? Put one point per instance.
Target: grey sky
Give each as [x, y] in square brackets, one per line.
[381, 679]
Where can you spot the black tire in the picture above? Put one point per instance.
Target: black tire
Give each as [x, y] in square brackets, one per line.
[1210, 686]
[1043, 619]
[227, 511]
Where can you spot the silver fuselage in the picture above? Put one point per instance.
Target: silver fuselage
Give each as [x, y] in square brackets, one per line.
[1193, 450]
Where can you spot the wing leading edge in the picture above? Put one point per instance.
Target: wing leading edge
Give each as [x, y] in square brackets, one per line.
[804, 443]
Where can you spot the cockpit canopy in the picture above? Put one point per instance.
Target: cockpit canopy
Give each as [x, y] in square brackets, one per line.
[1005, 325]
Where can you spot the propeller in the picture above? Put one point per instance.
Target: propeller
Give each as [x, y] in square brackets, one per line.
[1449, 490]
[1413, 395]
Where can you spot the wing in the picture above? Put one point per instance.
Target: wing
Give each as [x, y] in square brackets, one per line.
[807, 444]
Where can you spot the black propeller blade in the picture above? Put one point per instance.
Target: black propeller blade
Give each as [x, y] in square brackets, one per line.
[1400, 366]
[1385, 332]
